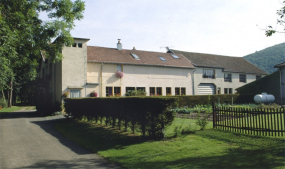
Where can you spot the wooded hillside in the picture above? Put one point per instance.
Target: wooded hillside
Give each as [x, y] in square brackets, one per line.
[268, 57]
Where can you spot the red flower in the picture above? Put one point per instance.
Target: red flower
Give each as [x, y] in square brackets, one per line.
[119, 74]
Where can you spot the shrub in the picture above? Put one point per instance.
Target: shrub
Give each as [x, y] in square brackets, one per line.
[202, 121]
[136, 93]
[3, 103]
[149, 115]
[221, 98]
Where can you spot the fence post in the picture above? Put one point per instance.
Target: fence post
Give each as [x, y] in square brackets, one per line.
[214, 115]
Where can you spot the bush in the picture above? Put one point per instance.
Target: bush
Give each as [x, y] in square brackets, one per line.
[147, 114]
[202, 121]
[136, 93]
[3, 103]
[221, 98]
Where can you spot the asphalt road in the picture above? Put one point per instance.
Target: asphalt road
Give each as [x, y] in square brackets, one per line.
[28, 141]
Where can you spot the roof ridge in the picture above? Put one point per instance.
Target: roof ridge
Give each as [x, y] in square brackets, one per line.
[207, 53]
[128, 49]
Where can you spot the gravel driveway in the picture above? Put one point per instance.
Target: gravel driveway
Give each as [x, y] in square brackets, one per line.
[28, 141]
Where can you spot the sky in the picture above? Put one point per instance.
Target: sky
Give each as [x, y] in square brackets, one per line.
[222, 27]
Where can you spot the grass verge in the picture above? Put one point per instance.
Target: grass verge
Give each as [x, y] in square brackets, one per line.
[197, 149]
[10, 109]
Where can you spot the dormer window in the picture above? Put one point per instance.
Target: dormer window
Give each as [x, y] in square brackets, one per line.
[161, 58]
[175, 56]
[135, 56]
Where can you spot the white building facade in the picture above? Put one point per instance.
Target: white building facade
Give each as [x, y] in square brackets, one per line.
[216, 74]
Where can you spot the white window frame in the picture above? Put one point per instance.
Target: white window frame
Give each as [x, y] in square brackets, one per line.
[206, 74]
[75, 93]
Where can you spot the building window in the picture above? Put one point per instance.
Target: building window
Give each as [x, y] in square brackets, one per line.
[209, 73]
[183, 91]
[168, 91]
[117, 91]
[159, 91]
[74, 45]
[242, 78]
[75, 93]
[258, 77]
[130, 89]
[80, 45]
[225, 90]
[228, 77]
[119, 68]
[230, 91]
[141, 89]
[109, 91]
[177, 90]
[152, 91]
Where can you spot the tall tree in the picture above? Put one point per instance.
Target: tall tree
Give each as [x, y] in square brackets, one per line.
[23, 35]
[270, 31]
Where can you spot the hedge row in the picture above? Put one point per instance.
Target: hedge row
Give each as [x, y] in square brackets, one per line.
[208, 99]
[150, 115]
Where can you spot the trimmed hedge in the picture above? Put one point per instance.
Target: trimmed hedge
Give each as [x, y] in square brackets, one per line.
[150, 115]
[222, 98]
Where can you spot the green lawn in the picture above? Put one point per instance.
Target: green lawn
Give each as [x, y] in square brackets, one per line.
[197, 149]
[10, 109]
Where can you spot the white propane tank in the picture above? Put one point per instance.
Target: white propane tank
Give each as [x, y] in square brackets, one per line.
[264, 98]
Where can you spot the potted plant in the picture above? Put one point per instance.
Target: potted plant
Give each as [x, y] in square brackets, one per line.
[119, 74]
[65, 95]
[93, 94]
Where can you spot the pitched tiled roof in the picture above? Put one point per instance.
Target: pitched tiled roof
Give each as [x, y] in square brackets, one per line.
[112, 55]
[229, 64]
[279, 65]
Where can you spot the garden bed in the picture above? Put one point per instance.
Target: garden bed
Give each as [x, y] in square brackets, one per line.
[195, 115]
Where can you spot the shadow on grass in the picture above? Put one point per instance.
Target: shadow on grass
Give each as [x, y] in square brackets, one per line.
[78, 163]
[97, 138]
[248, 152]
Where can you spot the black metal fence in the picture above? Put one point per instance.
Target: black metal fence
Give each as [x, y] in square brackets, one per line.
[266, 122]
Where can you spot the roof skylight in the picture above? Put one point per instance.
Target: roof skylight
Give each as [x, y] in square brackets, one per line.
[162, 58]
[175, 56]
[135, 56]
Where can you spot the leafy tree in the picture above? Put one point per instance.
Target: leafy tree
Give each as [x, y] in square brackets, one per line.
[23, 35]
[270, 31]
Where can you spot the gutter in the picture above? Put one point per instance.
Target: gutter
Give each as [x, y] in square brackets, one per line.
[193, 84]
[101, 81]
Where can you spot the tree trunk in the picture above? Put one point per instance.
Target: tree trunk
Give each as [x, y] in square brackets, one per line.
[8, 96]
[11, 93]
[4, 98]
